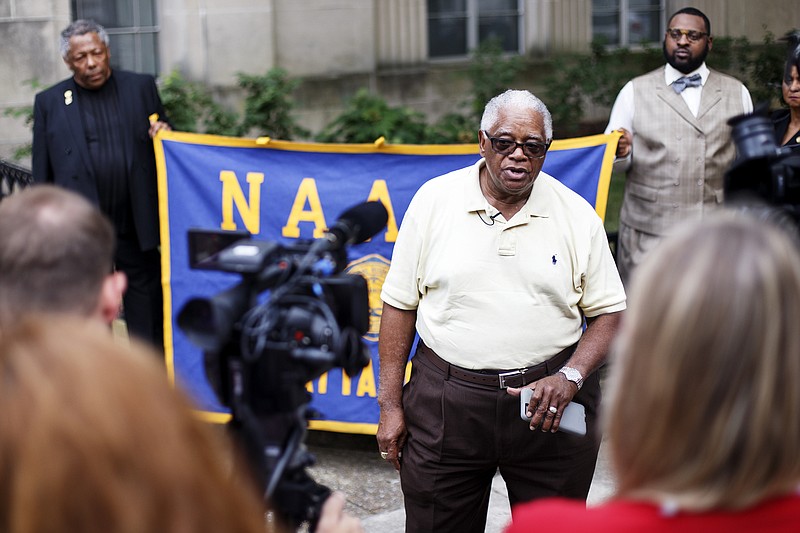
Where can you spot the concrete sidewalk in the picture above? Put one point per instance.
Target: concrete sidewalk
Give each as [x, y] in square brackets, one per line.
[352, 464]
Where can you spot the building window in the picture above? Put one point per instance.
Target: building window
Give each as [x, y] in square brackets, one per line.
[455, 27]
[132, 28]
[627, 22]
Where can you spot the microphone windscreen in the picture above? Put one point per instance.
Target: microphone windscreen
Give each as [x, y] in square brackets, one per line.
[364, 220]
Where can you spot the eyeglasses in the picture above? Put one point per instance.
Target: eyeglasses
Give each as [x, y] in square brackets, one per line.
[692, 35]
[531, 149]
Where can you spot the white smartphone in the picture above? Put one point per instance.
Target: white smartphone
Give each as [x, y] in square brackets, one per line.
[573, 419]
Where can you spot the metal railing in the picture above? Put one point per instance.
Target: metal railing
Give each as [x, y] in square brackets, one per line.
[13, 178]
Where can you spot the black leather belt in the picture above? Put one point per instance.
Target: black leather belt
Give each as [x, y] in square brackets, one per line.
[498, 379]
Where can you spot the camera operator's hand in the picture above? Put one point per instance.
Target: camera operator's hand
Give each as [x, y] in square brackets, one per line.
[334, 519]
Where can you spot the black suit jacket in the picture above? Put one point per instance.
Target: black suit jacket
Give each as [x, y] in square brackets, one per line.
[61, 157]
[780, 121]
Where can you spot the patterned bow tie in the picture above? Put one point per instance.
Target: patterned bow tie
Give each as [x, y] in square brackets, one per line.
[683, 82]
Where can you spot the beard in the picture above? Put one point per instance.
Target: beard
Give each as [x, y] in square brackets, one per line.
[684, 65]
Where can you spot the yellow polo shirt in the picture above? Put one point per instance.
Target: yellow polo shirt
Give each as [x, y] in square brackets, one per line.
[491, 293]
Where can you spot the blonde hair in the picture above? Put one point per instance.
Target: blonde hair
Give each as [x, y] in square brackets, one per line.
[93, 439]
[705, 404]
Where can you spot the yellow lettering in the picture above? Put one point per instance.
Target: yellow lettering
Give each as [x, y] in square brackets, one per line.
[380, 192]
[232, 193]
[322, 385]
[408, 371]
[347, 386]
[306, 193]
[366, 383]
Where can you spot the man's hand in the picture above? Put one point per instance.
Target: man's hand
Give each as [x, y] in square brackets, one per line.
[157, 125]
[550, 392]
[396, 337]
[625, 143]
[392, 434]
[557, 391]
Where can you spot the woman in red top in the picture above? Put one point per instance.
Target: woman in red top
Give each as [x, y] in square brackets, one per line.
[703, 422]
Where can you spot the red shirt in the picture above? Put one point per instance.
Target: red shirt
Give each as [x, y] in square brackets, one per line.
[779, 515]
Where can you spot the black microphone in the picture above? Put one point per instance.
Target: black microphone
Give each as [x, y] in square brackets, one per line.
[357, 224]
[492, 217]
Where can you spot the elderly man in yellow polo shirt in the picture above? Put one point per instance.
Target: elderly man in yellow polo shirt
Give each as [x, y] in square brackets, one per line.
[496, 266]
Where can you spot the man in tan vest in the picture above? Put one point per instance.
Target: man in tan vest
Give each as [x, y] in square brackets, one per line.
[675, 143]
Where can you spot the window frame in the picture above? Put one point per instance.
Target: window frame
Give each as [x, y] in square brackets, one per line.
[473, 30]
[136, 31]
[623, 24]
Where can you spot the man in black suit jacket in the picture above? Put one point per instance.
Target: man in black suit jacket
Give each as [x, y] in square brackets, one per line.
[92, 134]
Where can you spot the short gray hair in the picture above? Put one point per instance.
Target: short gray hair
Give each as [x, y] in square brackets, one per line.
[81, 27]
[56, 250]
[517, 100]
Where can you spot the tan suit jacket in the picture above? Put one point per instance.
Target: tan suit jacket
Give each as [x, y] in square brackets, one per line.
[678, 160]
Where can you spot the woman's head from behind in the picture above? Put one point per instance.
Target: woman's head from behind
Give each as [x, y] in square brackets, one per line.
[94, 439]
[705, 408]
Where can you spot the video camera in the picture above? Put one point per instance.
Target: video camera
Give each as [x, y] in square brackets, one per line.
[294, 316]
[764, 176]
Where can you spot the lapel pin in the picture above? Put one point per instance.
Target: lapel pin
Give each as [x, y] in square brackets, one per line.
[67, 97]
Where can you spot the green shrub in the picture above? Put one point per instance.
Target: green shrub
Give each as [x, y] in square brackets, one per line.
[24, 112]
[268, 105]
[454, 128]
[758, 66]
[368, 117]
[578, 80]
[191, 107]
[183, 101]
[490, 73]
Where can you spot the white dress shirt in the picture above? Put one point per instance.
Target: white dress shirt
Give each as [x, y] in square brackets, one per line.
[624, 106]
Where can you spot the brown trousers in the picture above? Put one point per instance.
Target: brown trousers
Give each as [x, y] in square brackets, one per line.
[460, 434]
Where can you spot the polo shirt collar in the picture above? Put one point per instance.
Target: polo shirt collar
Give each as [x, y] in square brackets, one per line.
[475, 202]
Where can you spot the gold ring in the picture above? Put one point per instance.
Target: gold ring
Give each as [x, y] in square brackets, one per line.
[384, 455]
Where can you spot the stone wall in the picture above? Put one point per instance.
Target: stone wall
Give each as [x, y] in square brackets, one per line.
[335, 46]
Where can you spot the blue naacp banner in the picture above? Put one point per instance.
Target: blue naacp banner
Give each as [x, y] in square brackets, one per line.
[284, 192]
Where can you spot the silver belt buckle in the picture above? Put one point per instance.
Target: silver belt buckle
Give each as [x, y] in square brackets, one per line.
[502, 377]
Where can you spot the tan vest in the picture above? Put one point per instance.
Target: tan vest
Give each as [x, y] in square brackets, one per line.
[678, 160]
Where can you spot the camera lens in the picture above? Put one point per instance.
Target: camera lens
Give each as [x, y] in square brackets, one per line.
[753, 136]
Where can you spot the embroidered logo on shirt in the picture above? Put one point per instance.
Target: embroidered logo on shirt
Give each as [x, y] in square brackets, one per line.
[67, 97]
[555, 260]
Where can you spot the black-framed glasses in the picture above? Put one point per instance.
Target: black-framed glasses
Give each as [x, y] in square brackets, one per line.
[692, 35]
[531, 149]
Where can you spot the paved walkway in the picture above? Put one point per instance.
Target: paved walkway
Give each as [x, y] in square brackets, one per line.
[351, 464]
